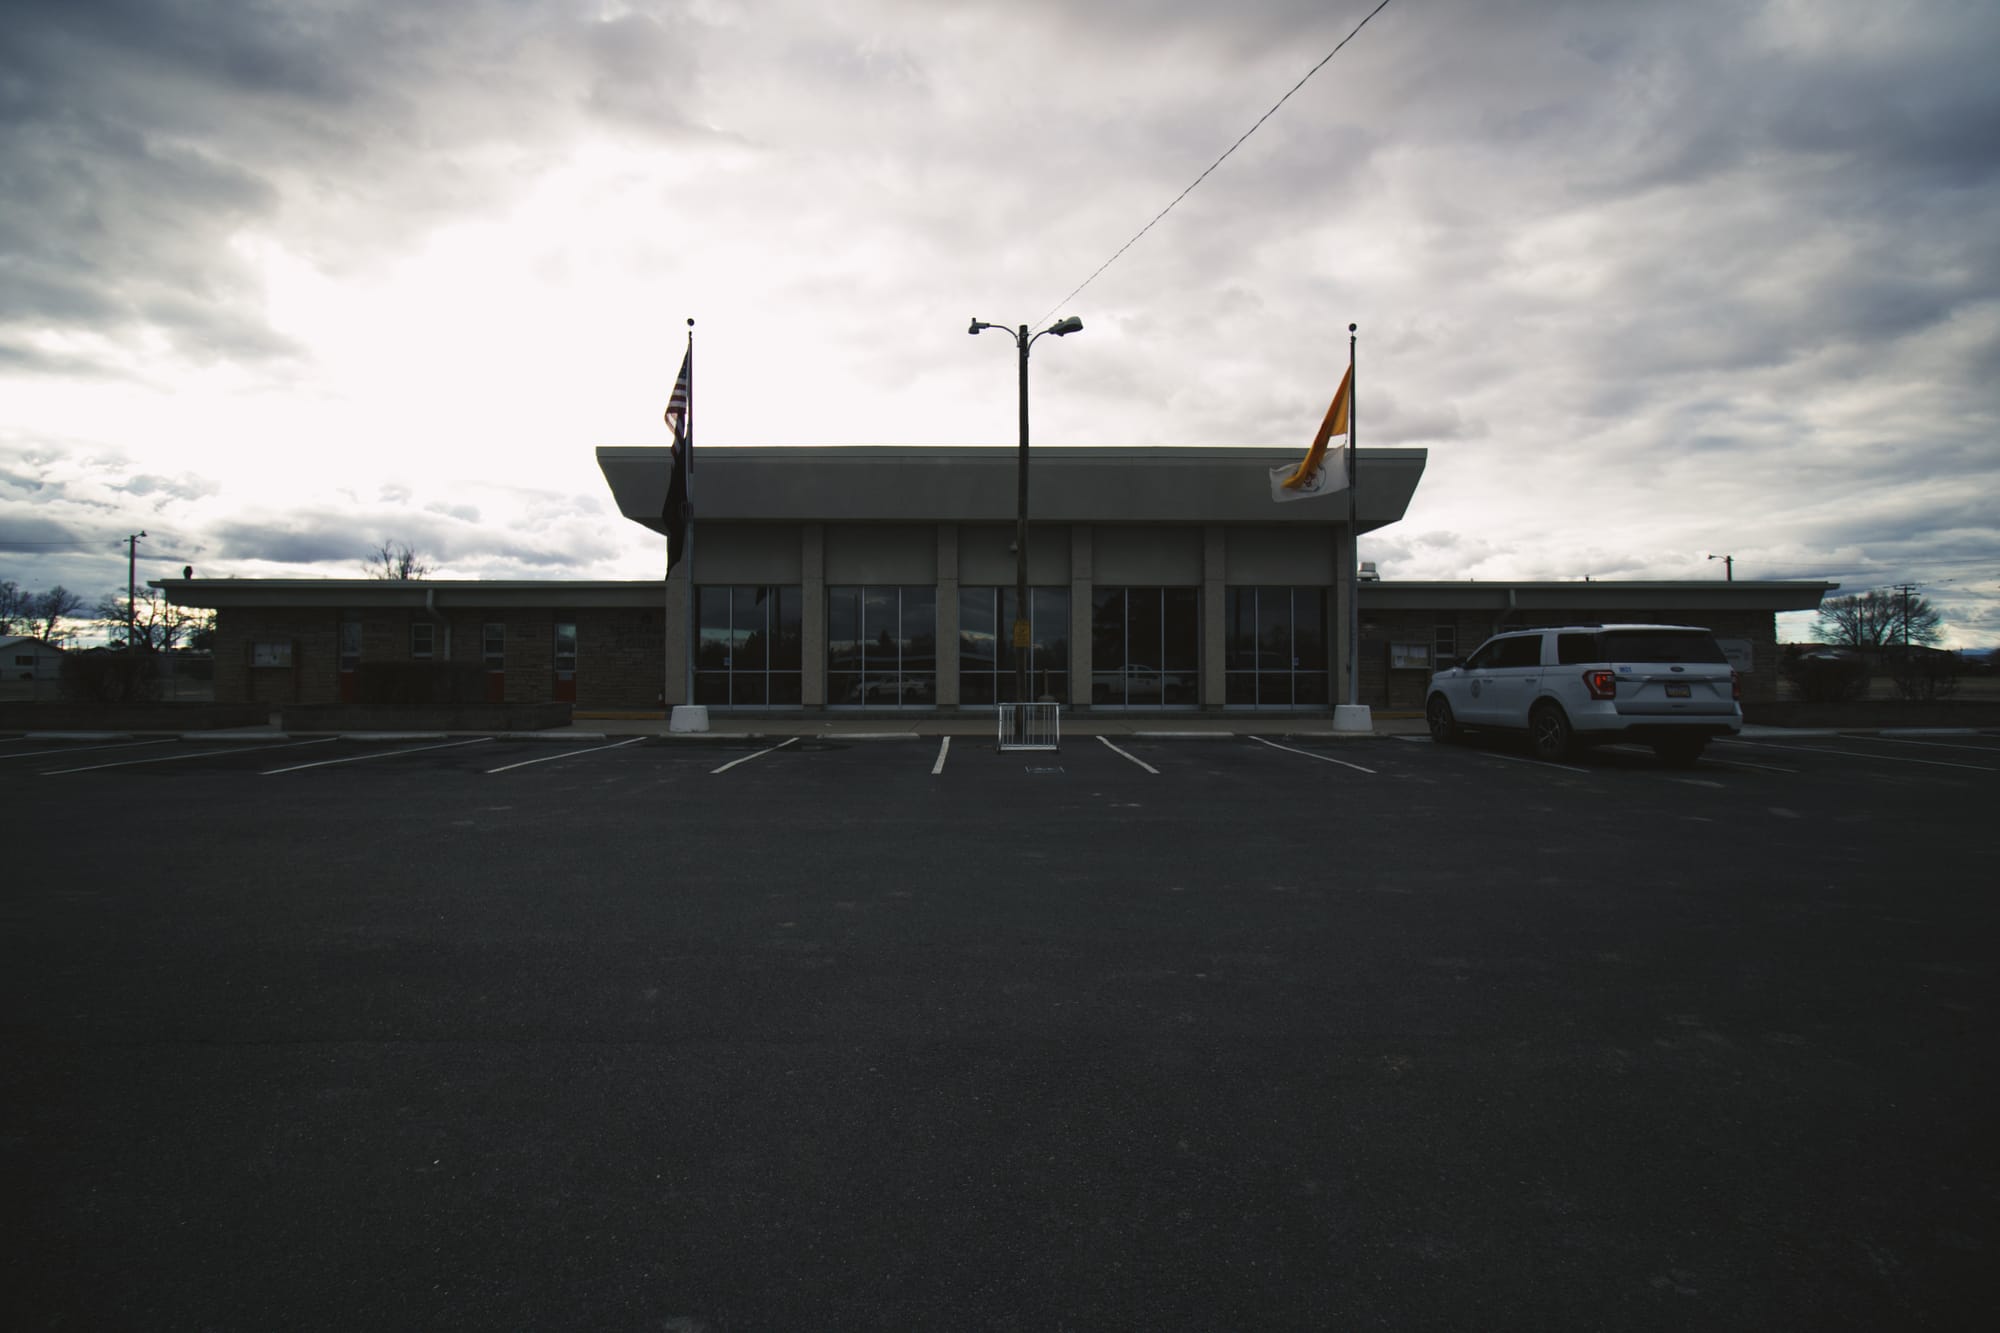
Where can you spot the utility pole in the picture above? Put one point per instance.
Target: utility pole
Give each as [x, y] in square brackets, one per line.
[1905, 589]
[132, 591]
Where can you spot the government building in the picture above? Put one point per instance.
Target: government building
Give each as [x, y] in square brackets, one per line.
[826, 580]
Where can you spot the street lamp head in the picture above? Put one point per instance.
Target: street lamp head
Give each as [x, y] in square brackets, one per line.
[976, 325]
[1066, 325]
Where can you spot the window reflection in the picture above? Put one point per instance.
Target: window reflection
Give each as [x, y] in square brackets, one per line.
[747, 646]
[1275, 652]
[881, 646]
[986, 653]
[1145, 647]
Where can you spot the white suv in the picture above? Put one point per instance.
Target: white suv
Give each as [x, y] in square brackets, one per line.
[1668, 686]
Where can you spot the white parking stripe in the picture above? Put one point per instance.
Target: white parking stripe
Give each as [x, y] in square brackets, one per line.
[944, 748]
[1863, 754]
[169, 758]
[1314, 755]
[379, 754]
[551, 758]
[1121, 754]
[1941, 745]
[82, 749]
[1744, 763]
[1539, 763]
[748, 757]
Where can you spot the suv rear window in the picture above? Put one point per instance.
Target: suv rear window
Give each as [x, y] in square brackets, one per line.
[1658, 645]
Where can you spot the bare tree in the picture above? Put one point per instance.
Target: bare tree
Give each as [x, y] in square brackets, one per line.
[51, 609]
[159, 625]
[397, 560]
[1877, 619]
[17, 608]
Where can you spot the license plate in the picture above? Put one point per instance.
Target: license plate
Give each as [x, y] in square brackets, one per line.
[1678, 692]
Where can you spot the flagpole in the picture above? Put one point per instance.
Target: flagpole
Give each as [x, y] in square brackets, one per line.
[687, 549]
[1353, 543]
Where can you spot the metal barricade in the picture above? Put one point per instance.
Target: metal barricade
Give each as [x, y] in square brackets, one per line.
[1030, 726]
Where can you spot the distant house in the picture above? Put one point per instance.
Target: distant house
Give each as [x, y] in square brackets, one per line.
[25, 658]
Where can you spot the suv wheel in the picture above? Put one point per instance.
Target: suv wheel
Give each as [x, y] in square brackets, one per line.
[1444, 727]
[1549, 732]
[1680, 751]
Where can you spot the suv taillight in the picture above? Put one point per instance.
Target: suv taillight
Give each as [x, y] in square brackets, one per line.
[1601, 684]
[1735, 684]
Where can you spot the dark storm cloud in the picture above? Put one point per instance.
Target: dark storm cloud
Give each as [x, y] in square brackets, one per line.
[184, 487]
[139, 141]
[337, 542]
[25, 534]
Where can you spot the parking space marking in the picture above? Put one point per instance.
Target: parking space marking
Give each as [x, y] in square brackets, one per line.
[748, 757]
[1134, 758]
[566, 754]
[169, 758]
[1538, 763]
[379, 754]
[1863, 754]
[1314, 755]
[944, 748]
[1744, 763]
[83, 749]
[1941, 745]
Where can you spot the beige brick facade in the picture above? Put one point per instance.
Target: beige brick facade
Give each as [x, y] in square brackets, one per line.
[620, 650]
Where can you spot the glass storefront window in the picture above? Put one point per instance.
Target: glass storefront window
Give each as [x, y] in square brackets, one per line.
[1274, 650]
[881, 647]
[986, 655]
[748, 652]
[1145, 647]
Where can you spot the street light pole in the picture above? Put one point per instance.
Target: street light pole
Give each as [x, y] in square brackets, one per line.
[1728, 567]
[132, 591]
[1021, 637]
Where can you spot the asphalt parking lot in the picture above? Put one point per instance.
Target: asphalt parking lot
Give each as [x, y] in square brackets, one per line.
[819, 1033]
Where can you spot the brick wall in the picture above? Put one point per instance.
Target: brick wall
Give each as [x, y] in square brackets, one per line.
[621, 652]
[531, 655]
[620, 658]
[314, 636]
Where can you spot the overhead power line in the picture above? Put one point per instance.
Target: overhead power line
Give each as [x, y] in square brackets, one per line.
[1218, 161]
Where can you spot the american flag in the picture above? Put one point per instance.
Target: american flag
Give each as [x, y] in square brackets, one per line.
[676, 512]
[677, 404]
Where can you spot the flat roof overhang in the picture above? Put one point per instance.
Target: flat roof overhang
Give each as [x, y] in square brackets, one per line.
[1581, 595]
[978, 484]
[415, 594]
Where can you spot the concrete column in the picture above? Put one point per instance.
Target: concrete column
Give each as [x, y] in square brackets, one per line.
[1080, 559]
[947, 615]
[812, 592]
[1214, 571]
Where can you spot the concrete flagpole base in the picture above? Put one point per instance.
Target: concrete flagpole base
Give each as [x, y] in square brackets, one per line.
[1349, 717]
[689, 717]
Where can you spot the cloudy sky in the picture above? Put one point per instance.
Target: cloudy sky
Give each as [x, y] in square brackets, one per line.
[284, 279]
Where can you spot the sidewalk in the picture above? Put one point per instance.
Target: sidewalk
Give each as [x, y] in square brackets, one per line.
[882, 727]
